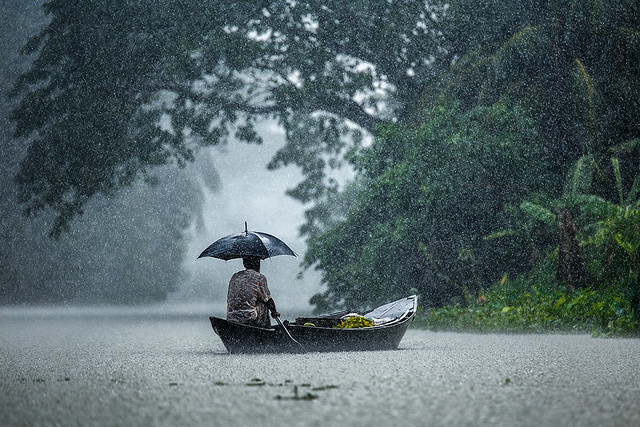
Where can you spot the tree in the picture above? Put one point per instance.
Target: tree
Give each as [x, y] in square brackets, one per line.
[423, 201]
[616, 240]
[119, 88]
[574, 66]
[566, 66]
[608, 233]
[127, 248]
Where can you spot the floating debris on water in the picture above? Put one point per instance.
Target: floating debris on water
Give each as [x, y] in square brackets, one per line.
[256, 382]
[297, 395]
[324, 387]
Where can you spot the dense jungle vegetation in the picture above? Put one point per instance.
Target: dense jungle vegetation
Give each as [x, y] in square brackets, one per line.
[495, 143]
[511, 196]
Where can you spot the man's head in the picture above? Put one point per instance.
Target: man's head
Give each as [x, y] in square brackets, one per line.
[251, 263]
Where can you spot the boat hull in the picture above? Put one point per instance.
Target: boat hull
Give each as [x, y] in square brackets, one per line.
[240, 338]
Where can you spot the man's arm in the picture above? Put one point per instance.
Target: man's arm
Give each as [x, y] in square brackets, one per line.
[272, 307]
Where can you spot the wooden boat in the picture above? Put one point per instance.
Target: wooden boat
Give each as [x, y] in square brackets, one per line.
[315, 334]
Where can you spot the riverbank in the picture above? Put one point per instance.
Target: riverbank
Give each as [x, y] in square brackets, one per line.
[601, 312]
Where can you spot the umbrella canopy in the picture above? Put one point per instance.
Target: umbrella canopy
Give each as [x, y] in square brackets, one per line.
[247, 243]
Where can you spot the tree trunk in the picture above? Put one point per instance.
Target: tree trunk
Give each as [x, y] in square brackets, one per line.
[571, 271]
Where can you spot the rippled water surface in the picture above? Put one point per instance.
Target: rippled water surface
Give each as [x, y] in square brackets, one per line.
[139, 367]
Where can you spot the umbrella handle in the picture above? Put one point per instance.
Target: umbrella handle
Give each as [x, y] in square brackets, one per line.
[285, 329]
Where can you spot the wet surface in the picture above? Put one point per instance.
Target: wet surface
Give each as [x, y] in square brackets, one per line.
[172, 370]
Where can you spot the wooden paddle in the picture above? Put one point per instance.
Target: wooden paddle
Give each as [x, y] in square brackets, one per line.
[285, 329]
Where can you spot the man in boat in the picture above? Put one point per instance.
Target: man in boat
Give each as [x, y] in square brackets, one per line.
[249, 300]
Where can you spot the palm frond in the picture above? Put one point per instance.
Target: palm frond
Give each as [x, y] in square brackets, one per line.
[632, 196]
[512, 64]
[616, 172]
[587, 86]
[469, 72]
[458, 77]
[591, 205]
[581, 176]
[538, 212]
[626, 147]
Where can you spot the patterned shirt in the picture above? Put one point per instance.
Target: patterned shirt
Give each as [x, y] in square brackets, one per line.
[248, 293]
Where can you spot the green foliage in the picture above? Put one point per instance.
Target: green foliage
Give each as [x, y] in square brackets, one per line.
[572, 65]
[532, 302]
[511, 307]
[538, 212]
[128, 248]
[609, 232]
[548, 61]
[86, 104]
[613, 240]
[540, 89]
[119, 88]
[426, 198]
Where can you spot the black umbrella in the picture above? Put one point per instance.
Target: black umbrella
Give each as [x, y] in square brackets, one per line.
[247, 243]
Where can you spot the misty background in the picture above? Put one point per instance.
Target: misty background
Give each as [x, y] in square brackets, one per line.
[150, 234]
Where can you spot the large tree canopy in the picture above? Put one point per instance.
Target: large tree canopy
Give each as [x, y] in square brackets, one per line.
[119, 88]
[127, 248]
[574, 66]
[429, 198]
[422, 206]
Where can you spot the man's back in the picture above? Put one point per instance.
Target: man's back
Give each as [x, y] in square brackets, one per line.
[247, 297]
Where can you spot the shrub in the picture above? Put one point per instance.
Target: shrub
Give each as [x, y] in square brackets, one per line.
[515, 306]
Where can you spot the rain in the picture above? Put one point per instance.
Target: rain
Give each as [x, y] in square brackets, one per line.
[458, 179]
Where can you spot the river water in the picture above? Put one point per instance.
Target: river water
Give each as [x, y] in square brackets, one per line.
[140, 367]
